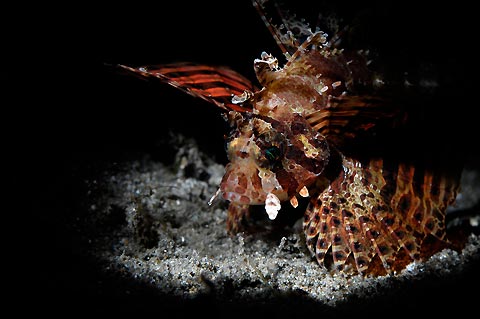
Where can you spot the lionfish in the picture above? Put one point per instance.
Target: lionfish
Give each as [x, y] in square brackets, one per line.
[325, 126]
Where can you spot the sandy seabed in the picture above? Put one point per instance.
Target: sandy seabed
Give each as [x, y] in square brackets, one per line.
[147, 240]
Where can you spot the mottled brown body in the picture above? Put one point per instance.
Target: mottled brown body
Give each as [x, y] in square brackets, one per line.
[308, 132]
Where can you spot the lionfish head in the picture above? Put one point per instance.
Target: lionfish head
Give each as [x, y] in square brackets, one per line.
[271, 161]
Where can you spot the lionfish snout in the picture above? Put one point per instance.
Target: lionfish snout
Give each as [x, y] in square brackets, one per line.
[246, 184]
[242, 185]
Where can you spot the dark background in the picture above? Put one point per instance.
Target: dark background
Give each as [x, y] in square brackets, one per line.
[73, 112]
[63, 96]
[130, 114]
[67, 98]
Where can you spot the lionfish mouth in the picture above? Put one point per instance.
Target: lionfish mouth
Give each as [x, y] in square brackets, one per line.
[238, 189]
[272, 202]
[237, 198]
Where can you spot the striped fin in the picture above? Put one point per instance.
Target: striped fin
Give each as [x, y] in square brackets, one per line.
[278, 26]
[421, 197]
[359, 215]
[214, 84]
[380, 211]
[348, 117]
[354, 227]
[294, 34]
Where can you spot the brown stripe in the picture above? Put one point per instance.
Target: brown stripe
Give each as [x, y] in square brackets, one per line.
[226, 75]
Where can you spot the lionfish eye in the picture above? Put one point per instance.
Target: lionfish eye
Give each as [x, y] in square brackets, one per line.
[272, 153]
